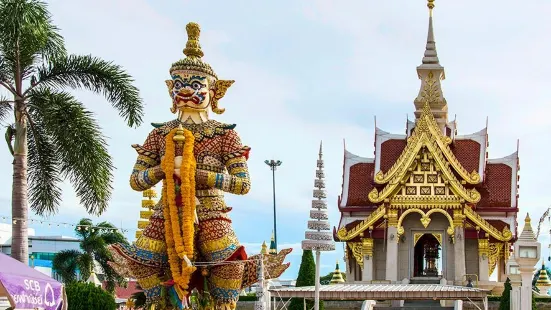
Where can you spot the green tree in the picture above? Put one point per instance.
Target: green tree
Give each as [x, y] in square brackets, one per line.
[93, 243]
[306, 277]
[87, 296]
[53, 136]
[505, 300]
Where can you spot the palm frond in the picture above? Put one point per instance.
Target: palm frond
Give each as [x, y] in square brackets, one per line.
[65, 263]
[6, 107]
[96, 75]
[85, 264]
[80, 146]
[6, 76]
[44, 174]
[27, 30]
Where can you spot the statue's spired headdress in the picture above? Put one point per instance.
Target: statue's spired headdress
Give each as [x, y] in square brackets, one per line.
[193, 53]
[193, 62]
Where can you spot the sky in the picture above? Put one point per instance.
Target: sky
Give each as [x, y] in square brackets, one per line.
[313, 70]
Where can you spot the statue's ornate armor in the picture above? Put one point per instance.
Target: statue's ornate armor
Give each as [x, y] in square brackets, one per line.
[221, 167]
[217, 149]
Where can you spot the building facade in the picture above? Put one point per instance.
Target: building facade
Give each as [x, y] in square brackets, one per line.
[42, 249]
[430, 205]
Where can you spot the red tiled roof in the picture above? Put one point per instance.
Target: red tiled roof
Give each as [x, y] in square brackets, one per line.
[390, 151]
[496, 191]
[126, 292]
[468, 154]
[360, 184]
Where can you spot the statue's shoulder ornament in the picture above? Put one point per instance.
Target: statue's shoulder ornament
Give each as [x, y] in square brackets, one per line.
[206, 130]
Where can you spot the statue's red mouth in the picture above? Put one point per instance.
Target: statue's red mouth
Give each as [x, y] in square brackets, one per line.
[195, 98]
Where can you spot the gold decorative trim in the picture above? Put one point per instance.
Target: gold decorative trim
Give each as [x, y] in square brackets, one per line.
[483, 247]
[416, 237]
[356, 248]
[426, 126]
[494, 250]
[426, 202]
[418, 141]
[392, 217]
[438, 237]
[367, 247]
[504, 235]
[345, 235]
[425, 219]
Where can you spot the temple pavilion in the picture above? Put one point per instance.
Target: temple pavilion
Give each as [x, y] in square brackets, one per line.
[430, 207]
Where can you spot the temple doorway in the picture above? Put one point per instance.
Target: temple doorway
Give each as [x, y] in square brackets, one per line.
[427, 255]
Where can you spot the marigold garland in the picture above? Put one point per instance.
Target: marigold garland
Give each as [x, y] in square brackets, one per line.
[179, 223]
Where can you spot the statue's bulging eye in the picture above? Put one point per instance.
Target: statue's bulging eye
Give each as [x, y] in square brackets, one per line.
[196, 85]
[178, 85]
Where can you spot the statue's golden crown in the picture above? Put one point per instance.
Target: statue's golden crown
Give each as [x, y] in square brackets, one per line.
[193, 53]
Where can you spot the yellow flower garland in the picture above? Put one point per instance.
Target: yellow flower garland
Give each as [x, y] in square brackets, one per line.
[179, 224]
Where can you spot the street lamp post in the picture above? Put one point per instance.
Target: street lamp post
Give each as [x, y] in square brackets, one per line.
[273, 164]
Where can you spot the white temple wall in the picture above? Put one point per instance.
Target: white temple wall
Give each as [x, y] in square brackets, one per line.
[471, 256]
[379, 257]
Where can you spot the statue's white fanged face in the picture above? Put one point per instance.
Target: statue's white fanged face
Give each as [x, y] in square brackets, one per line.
[189, 90]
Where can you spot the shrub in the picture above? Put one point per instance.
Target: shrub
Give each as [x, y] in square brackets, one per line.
[81, 295]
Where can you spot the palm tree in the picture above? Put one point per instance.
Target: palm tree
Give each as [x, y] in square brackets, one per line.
[53, 136]
[93, 243]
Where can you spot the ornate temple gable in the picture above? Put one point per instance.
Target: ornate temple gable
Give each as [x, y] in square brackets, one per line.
[357, 180]
[502, 176]
[425, 187]
[388, 148]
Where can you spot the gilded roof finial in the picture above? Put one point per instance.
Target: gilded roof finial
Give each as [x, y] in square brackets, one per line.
[430, 5]
[193, 48]
[527, 220]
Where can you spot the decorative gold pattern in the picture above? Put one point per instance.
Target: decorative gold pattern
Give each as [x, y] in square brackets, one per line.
[483, 247]
[494, 250]
[356, 248]
[438, 237]
[392, 218]
[345, 235]
[504, 235]
[425, 218]
[416, 237]
[419, 143]
[367, 247]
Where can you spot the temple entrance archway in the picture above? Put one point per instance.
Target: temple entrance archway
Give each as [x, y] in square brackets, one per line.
[427, 255]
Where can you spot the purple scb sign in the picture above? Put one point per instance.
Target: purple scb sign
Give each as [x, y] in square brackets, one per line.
[33, 293]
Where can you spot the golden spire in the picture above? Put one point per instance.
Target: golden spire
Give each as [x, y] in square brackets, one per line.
[527, 220]
[264, 249]
[193, 48]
